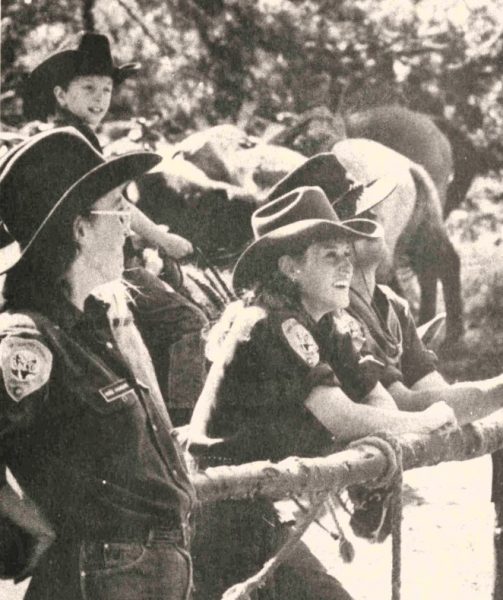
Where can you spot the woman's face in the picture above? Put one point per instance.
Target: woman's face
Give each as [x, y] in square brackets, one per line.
[324, 274]
[106, 230]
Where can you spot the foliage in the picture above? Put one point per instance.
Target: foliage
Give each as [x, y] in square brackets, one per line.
[207, 61]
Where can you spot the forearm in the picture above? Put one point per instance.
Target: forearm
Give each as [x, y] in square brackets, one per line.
[24, 513]
[469, 400]
[145, 227]
[348, 421]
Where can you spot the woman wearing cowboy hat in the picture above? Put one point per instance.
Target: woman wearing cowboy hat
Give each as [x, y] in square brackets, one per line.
[380, 322]
[83, 424]
[74, 88]
[280, 385]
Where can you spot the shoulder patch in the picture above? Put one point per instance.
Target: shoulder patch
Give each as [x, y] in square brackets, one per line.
[26, 366]
[301, 341]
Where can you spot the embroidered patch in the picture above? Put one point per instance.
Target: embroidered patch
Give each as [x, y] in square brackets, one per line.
[26, 366]
[115, 390]
[301, 341]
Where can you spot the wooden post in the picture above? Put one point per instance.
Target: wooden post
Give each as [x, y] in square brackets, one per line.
[497, 498]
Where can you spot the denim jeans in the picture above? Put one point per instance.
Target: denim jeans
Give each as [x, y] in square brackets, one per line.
[157, 569]
[235, 538]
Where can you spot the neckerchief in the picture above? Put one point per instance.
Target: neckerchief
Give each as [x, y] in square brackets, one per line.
[383, 331]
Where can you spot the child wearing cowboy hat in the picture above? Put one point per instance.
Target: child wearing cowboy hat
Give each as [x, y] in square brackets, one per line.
[74, 87]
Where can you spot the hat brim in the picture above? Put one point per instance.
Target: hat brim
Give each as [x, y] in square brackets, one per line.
[372, 194]
[38, 90]
[93, 185]
[259, 257]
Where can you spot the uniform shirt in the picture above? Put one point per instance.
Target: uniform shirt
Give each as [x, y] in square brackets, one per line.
[391, 336]
[81, 433]
[257, 402]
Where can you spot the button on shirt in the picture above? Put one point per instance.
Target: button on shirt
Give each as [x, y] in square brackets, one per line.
[90, 446]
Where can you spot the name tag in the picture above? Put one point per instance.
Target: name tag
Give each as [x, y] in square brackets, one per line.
[116, 390]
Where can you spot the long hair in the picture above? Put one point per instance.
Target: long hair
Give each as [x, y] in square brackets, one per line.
[275, 291]
[37, 279]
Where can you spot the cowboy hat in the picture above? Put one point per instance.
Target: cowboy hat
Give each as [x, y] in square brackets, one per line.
[91, 57]
[53, 176]
[349, 198]
[305, 214]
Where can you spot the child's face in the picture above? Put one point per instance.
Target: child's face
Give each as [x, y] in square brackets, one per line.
[87, 97]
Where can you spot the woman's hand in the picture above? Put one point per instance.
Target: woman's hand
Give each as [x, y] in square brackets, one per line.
[435, 417]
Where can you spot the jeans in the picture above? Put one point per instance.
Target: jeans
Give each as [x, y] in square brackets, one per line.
[155, 569]
[235, 538]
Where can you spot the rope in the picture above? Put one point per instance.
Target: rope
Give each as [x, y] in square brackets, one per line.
[208, 265]
[393, 477]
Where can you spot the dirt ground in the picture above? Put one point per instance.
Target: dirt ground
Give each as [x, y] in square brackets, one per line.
[447, 541]
[448, 518]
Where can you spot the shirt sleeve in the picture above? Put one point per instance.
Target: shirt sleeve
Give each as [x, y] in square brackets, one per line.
[417, 360]
[358, 372]
[171, 327]
[25, 370]
[256, 404]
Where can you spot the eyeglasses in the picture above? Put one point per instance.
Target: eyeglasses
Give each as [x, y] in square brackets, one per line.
[124, 213]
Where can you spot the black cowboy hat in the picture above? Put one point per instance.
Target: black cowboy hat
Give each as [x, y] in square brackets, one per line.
[91, 57]
[349, 198]
[50, 178]
[305, 214]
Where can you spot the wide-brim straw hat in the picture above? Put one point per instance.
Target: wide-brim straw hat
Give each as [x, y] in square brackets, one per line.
[91, 57]
[281, 226]
[52, 177]
[350, 198]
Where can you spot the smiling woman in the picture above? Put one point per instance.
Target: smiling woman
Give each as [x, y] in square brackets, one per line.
[284, 383]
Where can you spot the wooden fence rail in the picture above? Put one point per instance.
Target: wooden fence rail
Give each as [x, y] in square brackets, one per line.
[355, 465]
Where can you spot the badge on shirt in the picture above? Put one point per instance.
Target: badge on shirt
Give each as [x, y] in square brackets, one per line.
[26, 366]
[116, 390]
[301, 341]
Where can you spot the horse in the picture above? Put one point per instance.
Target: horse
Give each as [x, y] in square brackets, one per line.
[214, 215]
[410, 133]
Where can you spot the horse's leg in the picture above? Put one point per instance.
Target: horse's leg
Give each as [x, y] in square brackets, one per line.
[427, 275]
[450, 275]
[443, 263]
